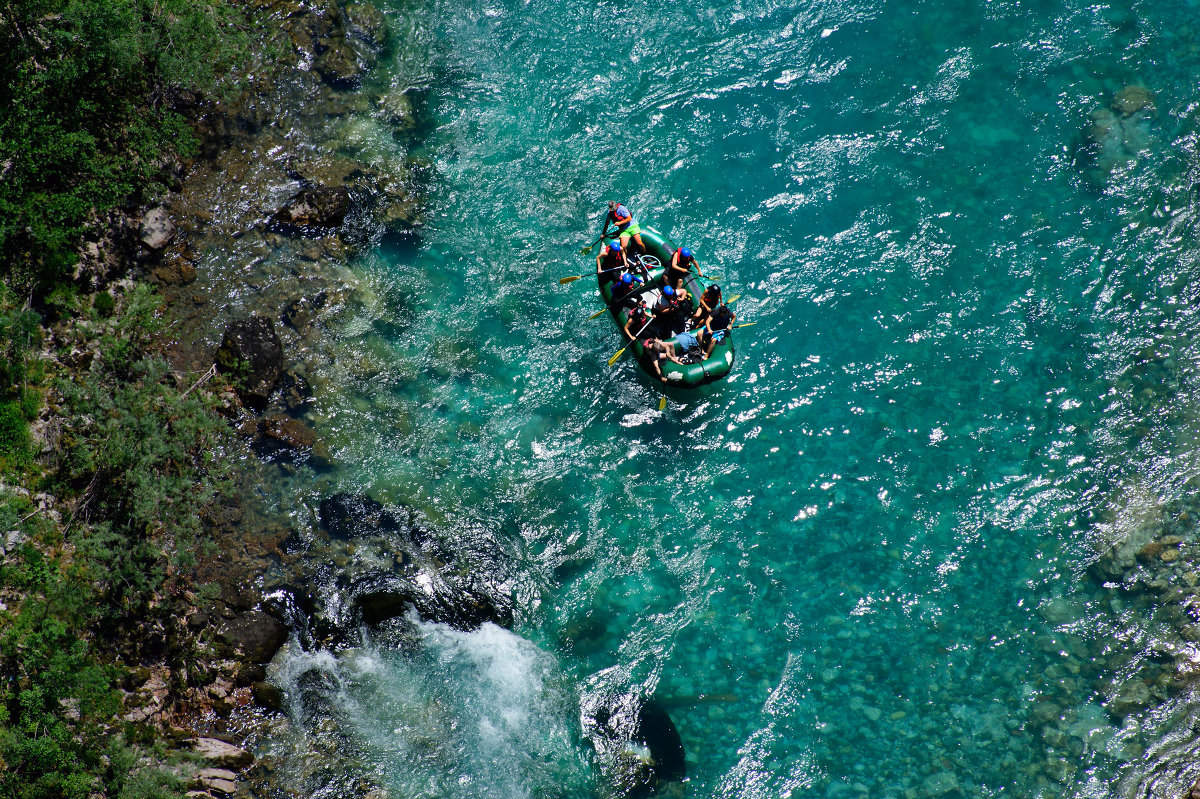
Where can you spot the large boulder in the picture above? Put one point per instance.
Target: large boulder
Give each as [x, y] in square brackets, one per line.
[255, 635]
[458, 603]
[313, 209]
[157, 229]
[639, 744]
[252, 355]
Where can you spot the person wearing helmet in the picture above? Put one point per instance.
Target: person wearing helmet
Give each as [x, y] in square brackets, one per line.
[626, 291]
[666, 311]
[611, 262]
[639, 321]
[627, 226]
[716, 328]
[681, 263]
[710, 299]
[656, 352]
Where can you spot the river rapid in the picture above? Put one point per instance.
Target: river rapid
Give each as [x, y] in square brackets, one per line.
[878, 559]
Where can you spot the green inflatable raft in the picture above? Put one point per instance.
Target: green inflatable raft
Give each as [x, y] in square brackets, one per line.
[715, 366]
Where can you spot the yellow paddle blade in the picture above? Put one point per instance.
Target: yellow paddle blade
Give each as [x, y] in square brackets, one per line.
[729, 301]
[585, 250]
[565, 280]
[620, 352]
[662, 402]
[597, 313]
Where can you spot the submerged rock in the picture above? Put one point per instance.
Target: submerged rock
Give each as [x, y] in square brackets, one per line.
[252, 355]
[1133, 99]
[313, 208]
[1132, 696]
[348, 516]
[288, 432]
[340, 66]
[644, 749]
[366, 23]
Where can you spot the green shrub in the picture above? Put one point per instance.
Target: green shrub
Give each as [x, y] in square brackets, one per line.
[86, 88]
[14, 435]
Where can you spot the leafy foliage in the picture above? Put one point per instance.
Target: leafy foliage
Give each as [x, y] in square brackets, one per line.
[86, 89]
[141, 458]
[144, 456]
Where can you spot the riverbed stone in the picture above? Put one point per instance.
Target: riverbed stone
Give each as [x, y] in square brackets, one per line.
[1131, 697]
[288, 432]
[366, 23]
[221, 753]
[313, 208]
[252, 355]
[256, 634]
[1133, 99]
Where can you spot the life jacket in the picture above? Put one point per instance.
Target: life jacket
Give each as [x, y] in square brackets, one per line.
[610, 259]
[639, 318]
[621, 216]
[721, 318]
[711, 296]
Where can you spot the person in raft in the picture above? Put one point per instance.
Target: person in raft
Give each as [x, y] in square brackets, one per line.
[710, 299]
[639, 321]
[681, 263]
[626, 291]
[611, 262]
[657, 352]
[627, 226]
[666, 311]
[716, 328]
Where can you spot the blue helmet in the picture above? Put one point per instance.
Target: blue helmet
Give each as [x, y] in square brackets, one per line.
[670, 292]
[684, 252]
[626, 278]
[615, 246]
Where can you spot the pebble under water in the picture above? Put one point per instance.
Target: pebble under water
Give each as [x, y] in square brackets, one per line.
[869, 562]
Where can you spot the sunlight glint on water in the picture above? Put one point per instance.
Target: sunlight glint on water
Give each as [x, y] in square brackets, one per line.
[869, 541]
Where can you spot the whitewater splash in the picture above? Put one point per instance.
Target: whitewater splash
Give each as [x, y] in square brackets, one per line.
[427, 710]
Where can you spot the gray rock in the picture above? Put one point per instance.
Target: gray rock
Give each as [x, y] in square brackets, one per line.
[157, 228]
[252, 355]
[220, 787]
[222, 753]
[216, 774]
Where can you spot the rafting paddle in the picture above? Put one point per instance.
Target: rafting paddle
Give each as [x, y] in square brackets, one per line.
[562, 281]
[588, 248]
[621, 351]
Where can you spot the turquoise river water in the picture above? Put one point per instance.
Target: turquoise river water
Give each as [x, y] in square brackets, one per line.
[860, 565]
